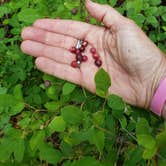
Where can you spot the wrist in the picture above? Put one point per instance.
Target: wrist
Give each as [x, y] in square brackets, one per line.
[164, 112]
[158, 89]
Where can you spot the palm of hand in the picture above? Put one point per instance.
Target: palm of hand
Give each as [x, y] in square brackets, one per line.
[123, 51]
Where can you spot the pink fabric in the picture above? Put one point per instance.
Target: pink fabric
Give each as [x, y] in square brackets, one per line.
[159, 98]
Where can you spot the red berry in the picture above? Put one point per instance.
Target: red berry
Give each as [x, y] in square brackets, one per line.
[74, 64]
[47, 83]
[73, 50]
[77, 52]
[96, 56]
[79, 57]
[98, 62]
[85, 43]
[84, 58]
[82, 49]
[93, 50]
[74, 11]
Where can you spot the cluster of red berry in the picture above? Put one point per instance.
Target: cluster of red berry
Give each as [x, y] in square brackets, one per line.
[79, 58]
[96, 57]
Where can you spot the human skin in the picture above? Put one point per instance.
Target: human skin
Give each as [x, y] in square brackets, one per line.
[134, 63]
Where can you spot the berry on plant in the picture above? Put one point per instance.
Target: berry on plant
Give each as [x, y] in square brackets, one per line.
[47, 83]
[74, 11]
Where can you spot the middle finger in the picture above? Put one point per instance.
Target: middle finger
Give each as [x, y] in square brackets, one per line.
[37, 49]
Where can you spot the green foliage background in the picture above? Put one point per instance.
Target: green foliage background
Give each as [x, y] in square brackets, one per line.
[64, 124]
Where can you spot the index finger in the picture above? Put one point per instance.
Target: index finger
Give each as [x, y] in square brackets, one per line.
[71, 28]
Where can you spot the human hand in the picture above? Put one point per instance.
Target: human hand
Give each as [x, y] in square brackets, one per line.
[134, 63]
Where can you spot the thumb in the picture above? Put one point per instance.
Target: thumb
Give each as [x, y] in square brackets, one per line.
[104, 13]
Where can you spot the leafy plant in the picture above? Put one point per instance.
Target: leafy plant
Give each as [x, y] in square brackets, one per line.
[48, 121]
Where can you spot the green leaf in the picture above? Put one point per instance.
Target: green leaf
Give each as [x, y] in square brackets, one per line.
[97, 138]
[3, 10]
[52, 92]
[68, 88]
[69, 5]
[152, 20]
[6, 148]
[155, 2]
[28, 15]
[161, 139]
[164, 17]
[138, 4]
[89, 161]
[142, 127]
[78, 137]
[19, 149]
[17, 92]
[49, 154]
[7, 100]
[52, 106]
[113, 2]
[146, 140]
[149, 153]
[50, 78]
[71, 115]
[123, 122]
[115, 102]
[99, 117]
[3, 90]
[57, 124]
[17, 108]
[37, 139]
[103, 82]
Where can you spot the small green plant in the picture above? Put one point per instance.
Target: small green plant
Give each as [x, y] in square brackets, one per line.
[48, 121]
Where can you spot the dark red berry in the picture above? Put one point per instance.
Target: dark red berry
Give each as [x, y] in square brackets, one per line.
[73, 50]
[77, 52]
[85, 43]
[74, 11]
[93, 50]
[84, 58]
[82, 49]
[98, 62]
[96, 56]
[74, 64]
[47, 83]
[79, 57]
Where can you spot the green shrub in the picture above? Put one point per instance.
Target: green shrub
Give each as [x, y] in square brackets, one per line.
[64, 124]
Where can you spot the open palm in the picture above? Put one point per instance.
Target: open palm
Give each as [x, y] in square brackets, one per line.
[127, 54]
